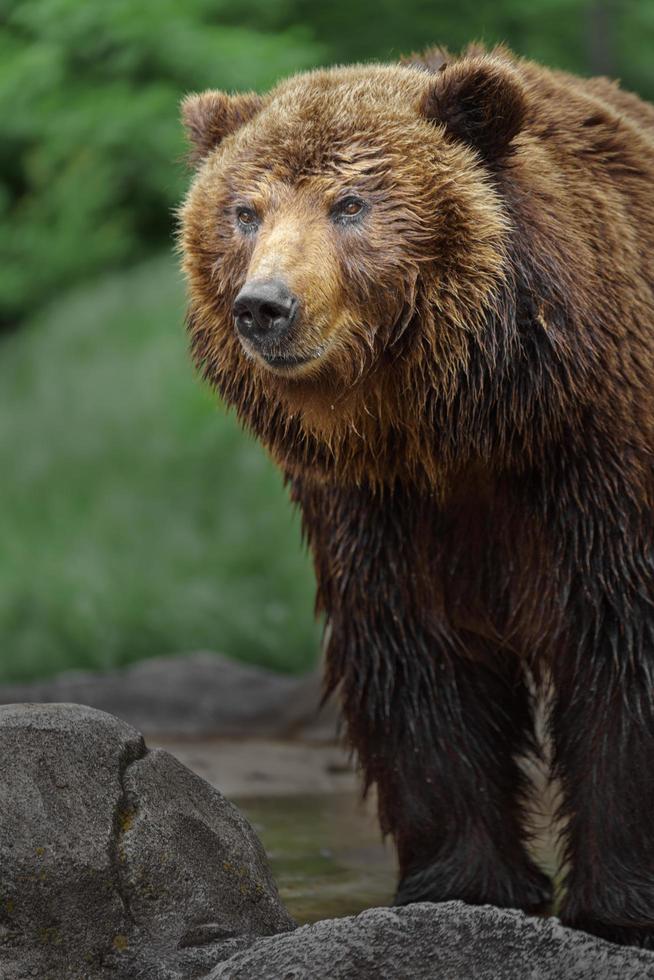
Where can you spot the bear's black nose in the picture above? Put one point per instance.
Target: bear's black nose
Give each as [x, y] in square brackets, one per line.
[264, 310]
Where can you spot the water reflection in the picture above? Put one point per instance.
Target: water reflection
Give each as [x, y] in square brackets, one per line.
[326, 853]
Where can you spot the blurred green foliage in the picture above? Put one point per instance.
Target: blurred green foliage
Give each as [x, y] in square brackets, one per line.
[135, 516]
[90, 152]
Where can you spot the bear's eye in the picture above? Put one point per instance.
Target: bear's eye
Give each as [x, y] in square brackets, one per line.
[247, 218]
[349, 210]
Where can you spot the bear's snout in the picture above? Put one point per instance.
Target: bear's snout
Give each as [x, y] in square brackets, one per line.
[264, 312]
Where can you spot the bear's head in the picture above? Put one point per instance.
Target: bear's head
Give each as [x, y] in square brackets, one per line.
[343, 238]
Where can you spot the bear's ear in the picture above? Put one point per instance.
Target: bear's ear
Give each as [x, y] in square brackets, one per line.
[480, 102]
[210, 116]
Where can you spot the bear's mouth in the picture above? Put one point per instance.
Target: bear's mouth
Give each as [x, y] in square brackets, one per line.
[286, 362]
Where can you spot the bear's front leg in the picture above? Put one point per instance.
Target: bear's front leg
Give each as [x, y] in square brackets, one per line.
[602, 724]
[437, 718]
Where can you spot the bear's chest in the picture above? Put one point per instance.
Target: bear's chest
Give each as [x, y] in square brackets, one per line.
[494, 570]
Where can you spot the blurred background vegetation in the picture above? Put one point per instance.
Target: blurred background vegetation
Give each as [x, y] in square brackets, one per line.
[135, 518]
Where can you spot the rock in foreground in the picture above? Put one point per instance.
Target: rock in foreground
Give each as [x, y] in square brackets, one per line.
[451, 941]
[115, 861]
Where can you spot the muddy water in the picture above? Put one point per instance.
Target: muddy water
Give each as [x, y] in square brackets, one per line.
[325, 851]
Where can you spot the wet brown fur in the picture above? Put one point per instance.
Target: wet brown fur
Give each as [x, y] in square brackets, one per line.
[472, 450]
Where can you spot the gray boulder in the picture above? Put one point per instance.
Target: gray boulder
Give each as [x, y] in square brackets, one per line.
[116, 862]
[451, 941]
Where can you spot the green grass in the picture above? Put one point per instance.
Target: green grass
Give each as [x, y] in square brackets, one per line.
[135, 517]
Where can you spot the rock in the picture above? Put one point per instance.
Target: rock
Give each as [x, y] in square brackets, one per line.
[193, 694]
[451, 941]
[60, 784]
[117, 862]
[194, 872]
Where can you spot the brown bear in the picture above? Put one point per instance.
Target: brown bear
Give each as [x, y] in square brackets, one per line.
[428, 288]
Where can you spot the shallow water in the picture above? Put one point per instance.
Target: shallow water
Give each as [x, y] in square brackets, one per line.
[326, 853]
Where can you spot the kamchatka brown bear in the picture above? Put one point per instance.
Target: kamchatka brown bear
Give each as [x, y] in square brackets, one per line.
[428, 288]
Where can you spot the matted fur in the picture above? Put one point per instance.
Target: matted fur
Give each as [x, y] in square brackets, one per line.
[472, 445]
